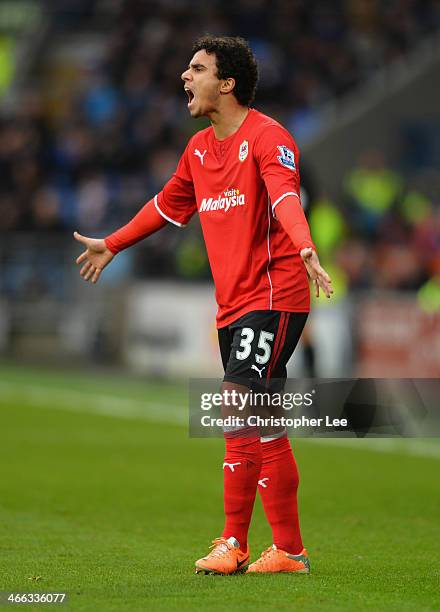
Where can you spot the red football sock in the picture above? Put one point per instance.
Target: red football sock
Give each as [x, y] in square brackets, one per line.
[278, 485]
[241, 470]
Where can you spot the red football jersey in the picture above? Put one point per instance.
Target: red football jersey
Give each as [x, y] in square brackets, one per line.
[235, 185]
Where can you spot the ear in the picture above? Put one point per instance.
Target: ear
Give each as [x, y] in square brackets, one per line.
[227, 85]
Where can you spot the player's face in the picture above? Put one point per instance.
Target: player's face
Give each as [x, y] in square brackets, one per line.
[202, 84]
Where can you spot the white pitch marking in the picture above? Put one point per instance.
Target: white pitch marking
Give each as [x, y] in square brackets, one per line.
[86, 402]
[417, 447]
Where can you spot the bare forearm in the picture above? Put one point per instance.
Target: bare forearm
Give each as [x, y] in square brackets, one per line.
[147, 221]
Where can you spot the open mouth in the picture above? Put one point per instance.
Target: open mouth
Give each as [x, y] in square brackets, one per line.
[190, 95]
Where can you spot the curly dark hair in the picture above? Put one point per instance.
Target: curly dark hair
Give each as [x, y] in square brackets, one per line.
[234, 59]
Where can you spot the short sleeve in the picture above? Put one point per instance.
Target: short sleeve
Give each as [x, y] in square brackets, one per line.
[277, 156]
[176, 202]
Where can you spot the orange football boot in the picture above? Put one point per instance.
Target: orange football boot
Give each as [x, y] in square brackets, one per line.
[224, 558]
[274, 560]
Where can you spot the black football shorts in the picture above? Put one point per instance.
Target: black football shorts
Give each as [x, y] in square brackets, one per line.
[255, 349]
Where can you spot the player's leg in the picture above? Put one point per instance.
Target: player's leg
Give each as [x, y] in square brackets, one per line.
[241, 469]
[279, 478]
[246, 347]
[278, 487]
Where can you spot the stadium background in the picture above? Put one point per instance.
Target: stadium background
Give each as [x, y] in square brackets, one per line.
[93, 119]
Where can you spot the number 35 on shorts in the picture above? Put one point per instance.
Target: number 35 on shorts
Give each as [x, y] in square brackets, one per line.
[264, 349]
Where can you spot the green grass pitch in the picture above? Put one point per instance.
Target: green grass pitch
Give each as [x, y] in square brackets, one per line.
[104, 496]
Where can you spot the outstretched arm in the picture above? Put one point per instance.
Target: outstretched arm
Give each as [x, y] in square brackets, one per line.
[100, 252]
[291, 216]
[277, 155]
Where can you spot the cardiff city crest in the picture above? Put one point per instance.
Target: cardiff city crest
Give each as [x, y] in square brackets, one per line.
[244, 150]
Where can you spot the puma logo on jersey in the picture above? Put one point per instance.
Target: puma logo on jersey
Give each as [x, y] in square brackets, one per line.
[262, 483]
[259, 370]
[231, 466]
[201, 155]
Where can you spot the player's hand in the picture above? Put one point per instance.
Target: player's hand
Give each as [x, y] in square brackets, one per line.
[316, 272]
[94, 258]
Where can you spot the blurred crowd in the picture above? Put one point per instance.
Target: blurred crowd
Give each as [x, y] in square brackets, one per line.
[94, 135]
[384, 232]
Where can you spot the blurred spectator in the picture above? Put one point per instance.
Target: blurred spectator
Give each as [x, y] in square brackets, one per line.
[397, 267]
[7, 63]
[373, 189]
[327, 226]
[93, 203]
[100, 100]
[428, 295]
[355, 259]
[45, 210]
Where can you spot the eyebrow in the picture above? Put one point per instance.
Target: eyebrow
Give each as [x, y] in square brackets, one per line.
[196, 66]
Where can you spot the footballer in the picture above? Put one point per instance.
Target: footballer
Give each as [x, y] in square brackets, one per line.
[241, 176]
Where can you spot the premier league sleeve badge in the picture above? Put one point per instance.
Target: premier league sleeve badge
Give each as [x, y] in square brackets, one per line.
[286, 157]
